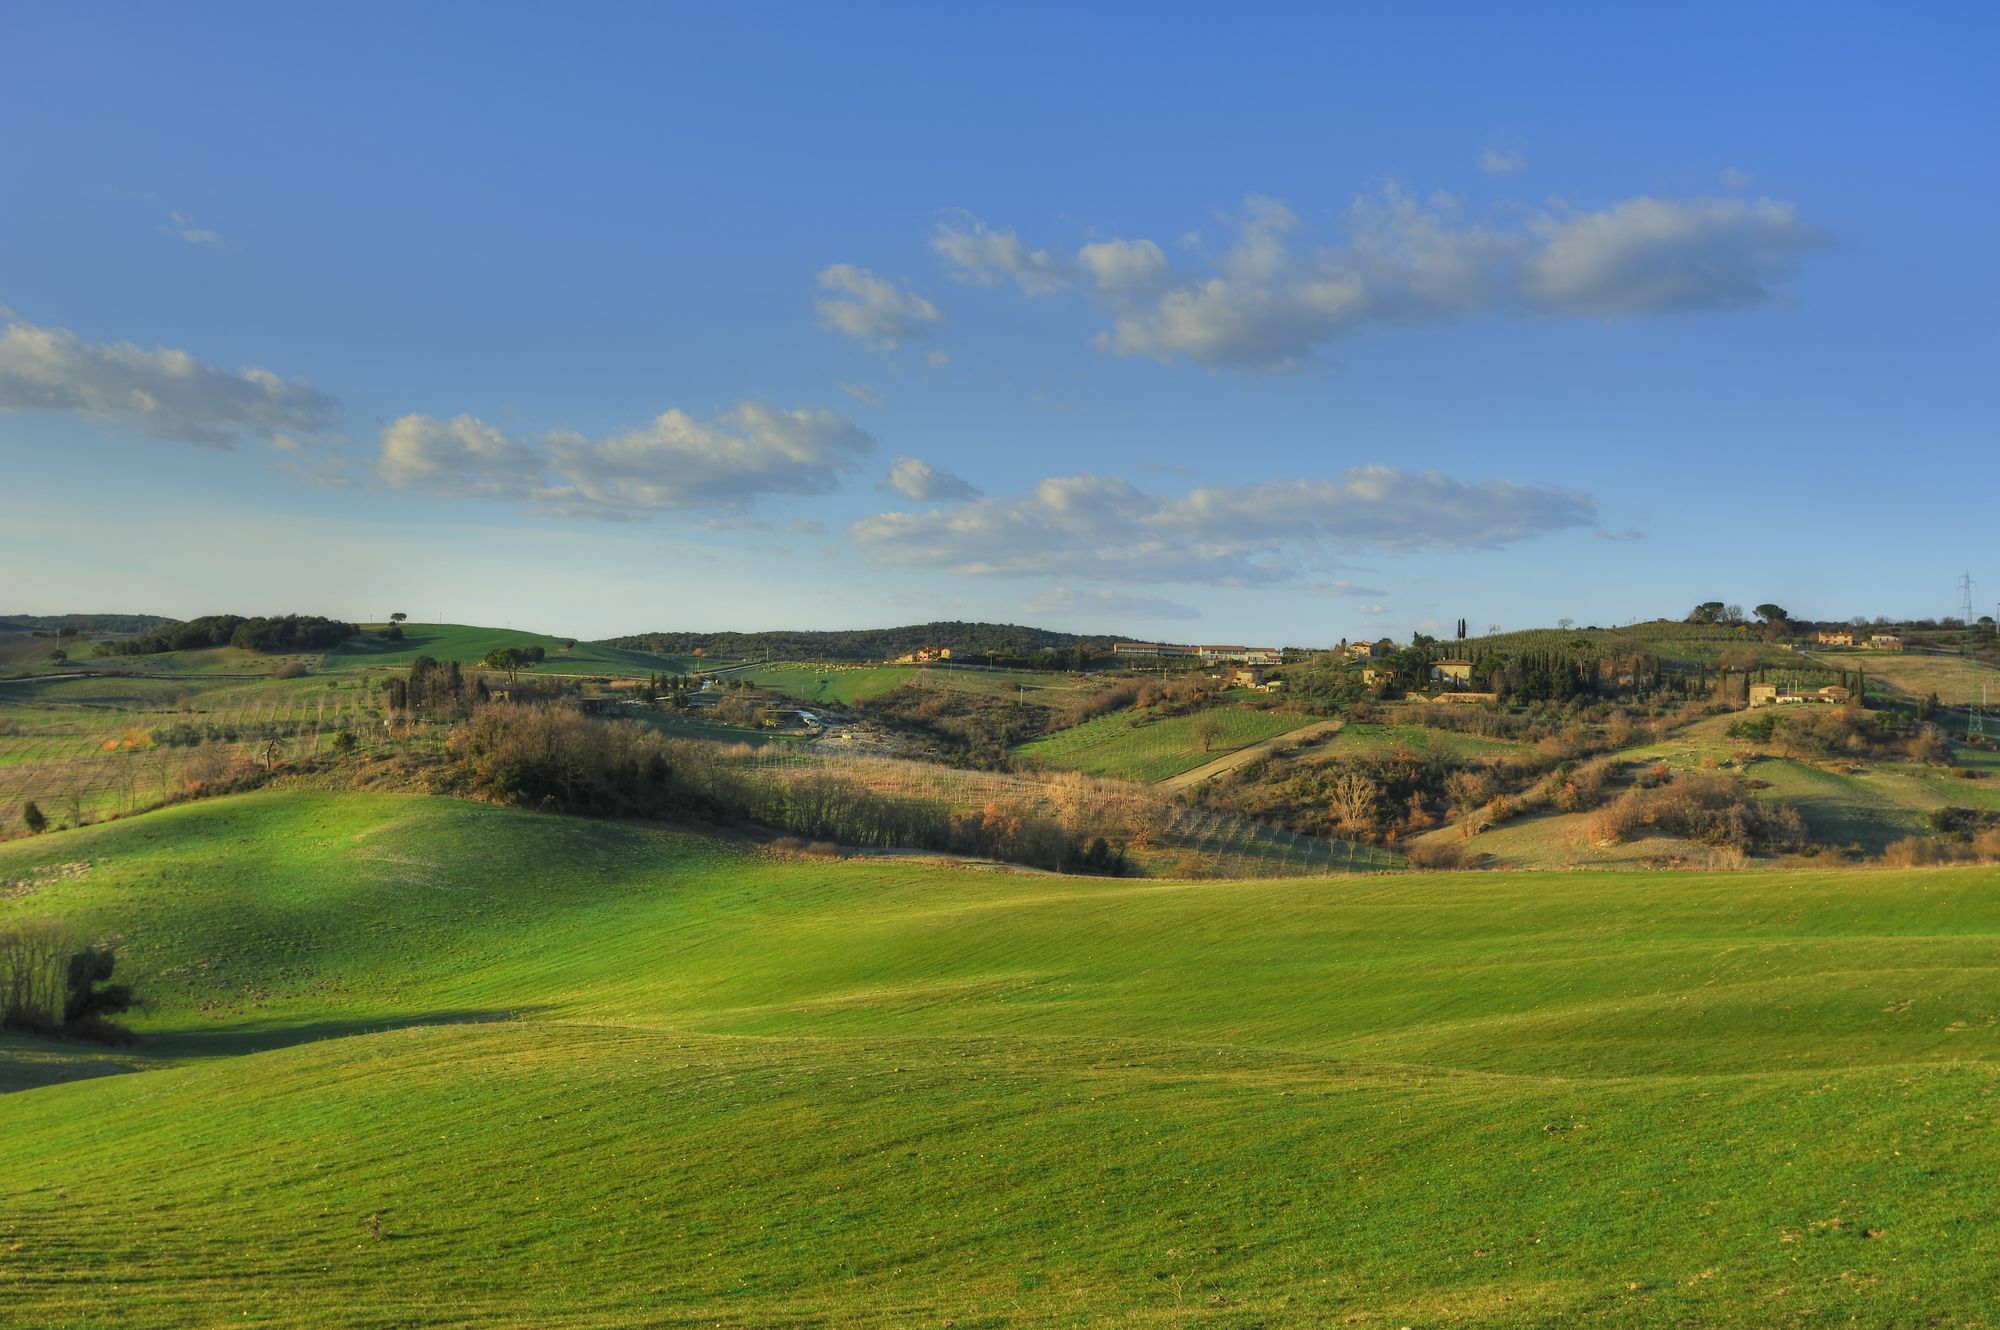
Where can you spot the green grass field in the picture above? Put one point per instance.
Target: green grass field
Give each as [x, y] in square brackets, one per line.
[459, 642]
[423, 1062]
[1127, 746]
[841, 684]
[1909, 676]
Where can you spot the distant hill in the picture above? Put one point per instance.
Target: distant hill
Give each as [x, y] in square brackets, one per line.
[1009, 640]
[467, 643]
[100, 625]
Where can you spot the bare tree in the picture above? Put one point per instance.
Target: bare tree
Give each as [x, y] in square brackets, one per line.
[1352, 799]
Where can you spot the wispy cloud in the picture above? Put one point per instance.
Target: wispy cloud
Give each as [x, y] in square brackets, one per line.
[1338, 588]
[920, 482]
[1104, 529]
[1272, 298]
[182, 227]
[674, 462]
[164, 393]
[862, 393]
[1502, 161]
[1100, 603]
[874, 308]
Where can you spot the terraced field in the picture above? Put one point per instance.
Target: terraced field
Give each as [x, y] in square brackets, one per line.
[1131, 745]
[412, 1061]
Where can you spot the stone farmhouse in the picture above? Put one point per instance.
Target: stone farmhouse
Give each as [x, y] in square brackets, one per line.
[1451, 671]
[1770, 694]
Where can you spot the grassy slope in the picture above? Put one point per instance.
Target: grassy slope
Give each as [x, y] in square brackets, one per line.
[621, 1075]
[1911, 676]
[845, 684]
[1372, 738]
[1126, 746]
[460, 642]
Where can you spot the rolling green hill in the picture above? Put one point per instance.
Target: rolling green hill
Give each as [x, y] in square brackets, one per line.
[1132, 745]
[459, 642]
[424, 1062]
[843, 684]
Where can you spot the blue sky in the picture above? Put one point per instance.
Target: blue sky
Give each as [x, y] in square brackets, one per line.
[1272, 323]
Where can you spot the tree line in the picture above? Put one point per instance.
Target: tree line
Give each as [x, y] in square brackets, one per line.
[273, 635]
[977, 643]
[554, 758]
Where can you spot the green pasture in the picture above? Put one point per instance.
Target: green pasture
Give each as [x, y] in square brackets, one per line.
[468, 645]
[410, 1061]
[839, 684]
[1133, 745]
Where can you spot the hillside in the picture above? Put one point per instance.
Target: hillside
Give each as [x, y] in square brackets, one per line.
[424, 1062]
[467, 645]
[85, 625]
[975, 641]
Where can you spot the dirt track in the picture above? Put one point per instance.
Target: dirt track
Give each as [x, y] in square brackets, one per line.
[1312, 733]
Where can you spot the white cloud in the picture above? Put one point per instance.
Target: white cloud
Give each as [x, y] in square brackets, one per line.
[1104, 529]
[460, 456]
[1098, 603]
[862, 393]
[1271, 300]
[673, 462]
[874, 308]
[1123, 265]
[937, 359]
[166, 394]
[1339, 588]
[1654, 255]
[1732, 178]
[980, 254]
[1502, 161]
[183, 228]
[921, 482]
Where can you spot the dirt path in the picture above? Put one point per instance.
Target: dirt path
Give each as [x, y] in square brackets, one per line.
[1305, 734]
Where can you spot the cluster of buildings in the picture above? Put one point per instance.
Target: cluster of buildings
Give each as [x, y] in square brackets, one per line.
[1847, 637]
[1770, 694]
[1206, 655]
[924, 656]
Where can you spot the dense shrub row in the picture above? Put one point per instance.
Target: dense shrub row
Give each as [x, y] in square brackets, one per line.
[553, 757]
[279, 633]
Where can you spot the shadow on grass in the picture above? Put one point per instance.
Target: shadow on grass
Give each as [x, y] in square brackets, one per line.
[27, 1062]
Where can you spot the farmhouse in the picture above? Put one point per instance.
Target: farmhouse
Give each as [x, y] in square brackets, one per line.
[925, 656]
[1770, 694]
[1885, 642]
[1362, 651]
[1248, 676]
[1451, 671]
[1830, 637]
[1372, 675]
